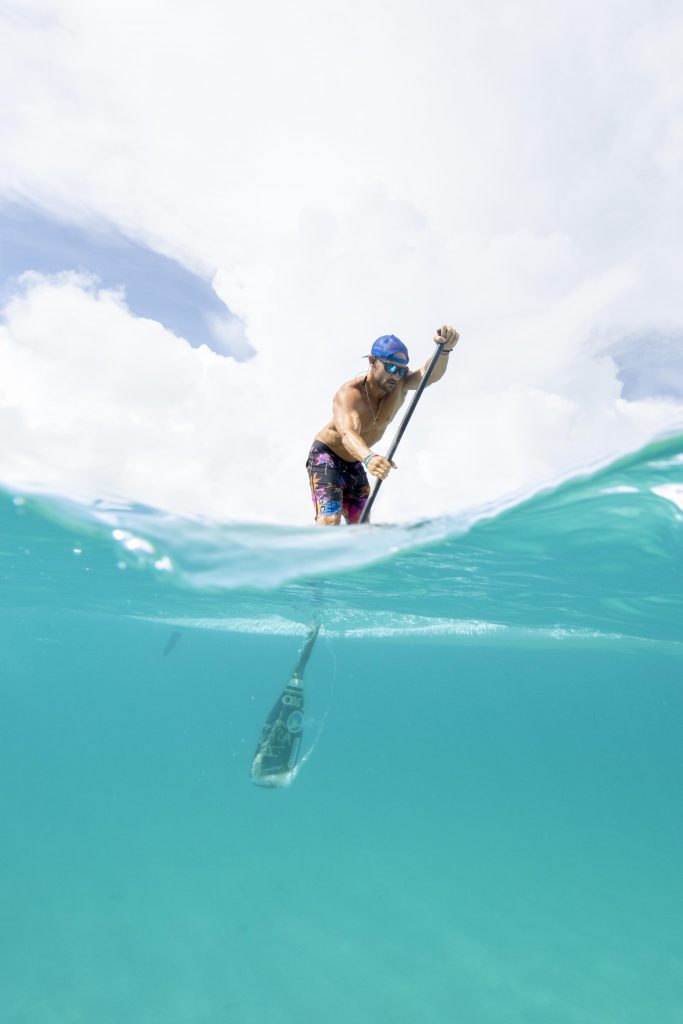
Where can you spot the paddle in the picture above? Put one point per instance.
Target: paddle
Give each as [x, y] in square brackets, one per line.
[404, 423]
[275, 760]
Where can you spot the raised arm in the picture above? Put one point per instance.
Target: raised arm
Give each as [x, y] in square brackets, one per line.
[446, 334]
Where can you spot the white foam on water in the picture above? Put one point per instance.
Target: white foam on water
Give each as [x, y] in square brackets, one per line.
[415, 629]
[671, 492]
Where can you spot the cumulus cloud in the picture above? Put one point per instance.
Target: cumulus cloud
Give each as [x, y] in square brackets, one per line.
[343, 173]
[100, 401]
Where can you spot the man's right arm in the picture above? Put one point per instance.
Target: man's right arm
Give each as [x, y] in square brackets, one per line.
[345, 410]
[348, 423]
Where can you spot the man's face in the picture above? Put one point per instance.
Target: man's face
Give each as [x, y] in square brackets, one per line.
[387, 374]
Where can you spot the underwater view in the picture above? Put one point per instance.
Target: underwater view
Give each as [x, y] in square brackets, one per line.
[483, 818]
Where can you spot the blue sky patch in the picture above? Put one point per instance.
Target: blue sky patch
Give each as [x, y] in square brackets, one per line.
[650, 365]
[155, 286]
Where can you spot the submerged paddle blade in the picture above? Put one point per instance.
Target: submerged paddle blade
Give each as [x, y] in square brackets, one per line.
[275, 761]
[277, 752]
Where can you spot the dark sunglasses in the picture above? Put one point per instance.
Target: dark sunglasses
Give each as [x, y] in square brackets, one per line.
[394, 369]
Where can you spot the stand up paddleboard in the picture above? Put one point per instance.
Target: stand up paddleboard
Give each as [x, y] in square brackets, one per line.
[277, 752]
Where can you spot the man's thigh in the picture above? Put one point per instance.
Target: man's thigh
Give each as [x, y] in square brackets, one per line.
[327, 485]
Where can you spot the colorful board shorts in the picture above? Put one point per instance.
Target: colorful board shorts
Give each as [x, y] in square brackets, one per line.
[336, 485]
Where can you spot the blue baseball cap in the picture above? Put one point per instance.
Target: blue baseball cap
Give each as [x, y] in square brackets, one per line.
[391, 348]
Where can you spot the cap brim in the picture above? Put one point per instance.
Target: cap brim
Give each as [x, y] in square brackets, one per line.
[393, 357]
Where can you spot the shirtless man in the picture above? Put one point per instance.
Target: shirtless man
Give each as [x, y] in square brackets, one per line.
[362, 410]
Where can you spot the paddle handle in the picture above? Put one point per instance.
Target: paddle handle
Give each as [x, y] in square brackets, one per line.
[404, 423]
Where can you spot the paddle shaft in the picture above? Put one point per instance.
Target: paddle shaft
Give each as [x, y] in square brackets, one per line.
[404, 423]
[306, 650]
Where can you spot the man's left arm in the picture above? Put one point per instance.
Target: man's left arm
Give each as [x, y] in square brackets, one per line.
[449, 336]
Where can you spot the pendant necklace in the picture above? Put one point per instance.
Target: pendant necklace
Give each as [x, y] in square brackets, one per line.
[374, 414]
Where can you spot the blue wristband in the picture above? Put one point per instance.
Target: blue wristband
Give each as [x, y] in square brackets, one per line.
[367, 458]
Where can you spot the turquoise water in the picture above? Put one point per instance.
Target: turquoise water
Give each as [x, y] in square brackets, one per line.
[487, 823]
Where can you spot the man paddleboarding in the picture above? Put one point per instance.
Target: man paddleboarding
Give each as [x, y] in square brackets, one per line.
[362, 409]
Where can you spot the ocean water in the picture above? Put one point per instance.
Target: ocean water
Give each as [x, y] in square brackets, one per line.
[486, 824]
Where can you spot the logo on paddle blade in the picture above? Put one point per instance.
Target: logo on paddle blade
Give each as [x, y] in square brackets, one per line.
[295, 722]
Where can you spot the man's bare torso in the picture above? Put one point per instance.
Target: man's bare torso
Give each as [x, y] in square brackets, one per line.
[374, 417]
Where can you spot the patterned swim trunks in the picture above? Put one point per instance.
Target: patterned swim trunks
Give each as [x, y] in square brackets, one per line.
[336, 485]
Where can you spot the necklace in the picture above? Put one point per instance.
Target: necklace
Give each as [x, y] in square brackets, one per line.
[374, 414]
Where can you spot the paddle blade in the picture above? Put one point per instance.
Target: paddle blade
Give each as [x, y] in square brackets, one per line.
[275, 760]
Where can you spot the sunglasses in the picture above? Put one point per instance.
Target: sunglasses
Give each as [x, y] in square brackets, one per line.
[394, 369]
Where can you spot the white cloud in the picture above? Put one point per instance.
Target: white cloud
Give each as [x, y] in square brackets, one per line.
[92, 397]
[350, 171]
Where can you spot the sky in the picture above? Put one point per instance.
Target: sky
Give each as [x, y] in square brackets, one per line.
[209, 211]
[154, 286]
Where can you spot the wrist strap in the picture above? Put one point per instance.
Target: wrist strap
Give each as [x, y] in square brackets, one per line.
[367, 458]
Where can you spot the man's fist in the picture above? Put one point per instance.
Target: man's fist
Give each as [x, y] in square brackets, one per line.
[448, 335]
[379, 466]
